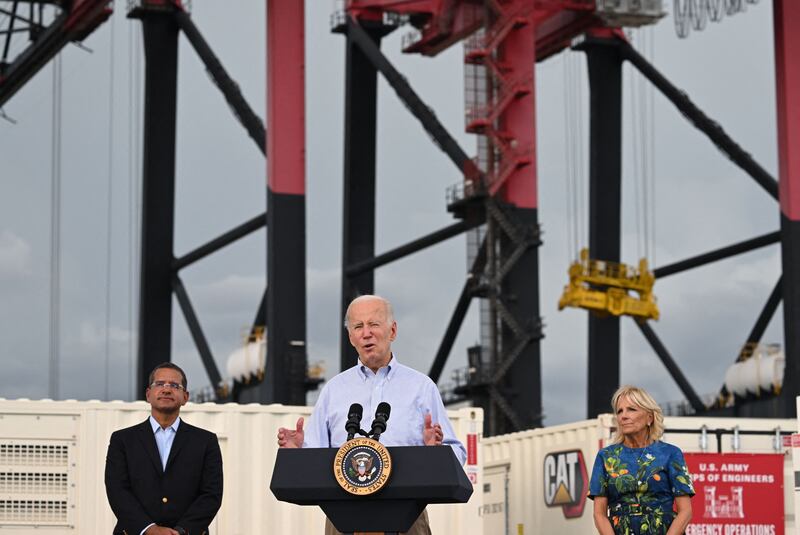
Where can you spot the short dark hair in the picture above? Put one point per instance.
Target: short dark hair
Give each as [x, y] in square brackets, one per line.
[170, 366]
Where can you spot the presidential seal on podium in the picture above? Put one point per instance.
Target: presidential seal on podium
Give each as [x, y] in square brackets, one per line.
[362, 466]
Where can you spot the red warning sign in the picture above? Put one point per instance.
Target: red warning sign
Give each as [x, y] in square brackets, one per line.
[472, 449]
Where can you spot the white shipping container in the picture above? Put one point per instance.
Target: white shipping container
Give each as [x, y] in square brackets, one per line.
[524, 472]
[52, 459]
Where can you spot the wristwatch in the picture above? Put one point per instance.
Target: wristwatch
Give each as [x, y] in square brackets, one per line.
[180, 530]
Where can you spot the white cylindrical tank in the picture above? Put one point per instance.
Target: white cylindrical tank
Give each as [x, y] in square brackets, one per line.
[763, 371]
[248, 361]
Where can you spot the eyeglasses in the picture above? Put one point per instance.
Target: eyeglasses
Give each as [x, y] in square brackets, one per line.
[164, 384]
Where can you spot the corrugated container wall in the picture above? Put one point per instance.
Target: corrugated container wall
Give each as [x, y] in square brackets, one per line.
[524, 472]
[52, 457]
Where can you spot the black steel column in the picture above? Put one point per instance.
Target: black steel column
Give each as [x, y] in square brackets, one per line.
[285, 376]
[790, 255]
[520, 291]
[158, 193]
[605, 155]
[786, 15]
[358, 225]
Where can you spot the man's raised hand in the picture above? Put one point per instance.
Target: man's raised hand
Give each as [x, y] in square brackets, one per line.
[292, 438]
[432, 434]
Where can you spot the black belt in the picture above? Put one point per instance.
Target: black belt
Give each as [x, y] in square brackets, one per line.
[637, 509]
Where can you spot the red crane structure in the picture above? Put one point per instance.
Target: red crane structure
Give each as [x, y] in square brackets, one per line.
[72, 22]
[497, 199]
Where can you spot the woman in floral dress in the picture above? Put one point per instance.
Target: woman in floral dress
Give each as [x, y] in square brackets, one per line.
[640, 485]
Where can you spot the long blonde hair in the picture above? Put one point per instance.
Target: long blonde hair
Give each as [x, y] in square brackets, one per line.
[642, 399]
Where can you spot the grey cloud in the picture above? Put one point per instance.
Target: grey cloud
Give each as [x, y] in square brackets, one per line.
[15, 256]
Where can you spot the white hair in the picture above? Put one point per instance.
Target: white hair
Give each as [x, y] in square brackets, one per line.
[387, 307]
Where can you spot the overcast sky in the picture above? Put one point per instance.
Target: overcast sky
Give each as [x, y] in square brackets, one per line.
[700, 202]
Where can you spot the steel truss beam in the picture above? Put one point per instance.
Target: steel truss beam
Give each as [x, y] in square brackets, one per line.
[409, 97]
[701, 121]
[410, 248]
[766, 313]
[672, 366]
[718, 254]
[491, 281]
[230, 89]
[72, 24]
[197, 335]
[470, 290]
[236, 233]
[514, 383]
[12, 18]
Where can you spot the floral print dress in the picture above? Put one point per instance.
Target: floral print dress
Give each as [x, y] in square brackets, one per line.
[641, 485]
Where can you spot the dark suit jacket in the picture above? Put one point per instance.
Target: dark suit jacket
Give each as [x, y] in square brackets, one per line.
[187, 494]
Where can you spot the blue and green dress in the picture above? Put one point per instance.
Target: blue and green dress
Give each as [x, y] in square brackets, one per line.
[641, 485]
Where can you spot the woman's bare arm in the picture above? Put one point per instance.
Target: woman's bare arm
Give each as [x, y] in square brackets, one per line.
[601, 520]
[683, 506]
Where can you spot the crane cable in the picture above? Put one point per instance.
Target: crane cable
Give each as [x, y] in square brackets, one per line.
[574, 154]
[570, 178]
[580, 140]
[55, 231]
[643, 151]
[637, 156]
[134, 189]
[651, 116]
[109, 201]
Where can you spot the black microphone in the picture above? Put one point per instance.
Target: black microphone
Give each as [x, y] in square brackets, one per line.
[379, 423]
[353, 424]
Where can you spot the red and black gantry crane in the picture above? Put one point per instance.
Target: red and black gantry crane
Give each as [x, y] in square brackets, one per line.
[496, 200]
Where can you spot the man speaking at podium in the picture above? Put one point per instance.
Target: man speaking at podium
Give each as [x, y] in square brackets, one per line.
[418, 416]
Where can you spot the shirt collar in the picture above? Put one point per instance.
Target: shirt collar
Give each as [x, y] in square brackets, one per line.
[156, 426]
[365, 373]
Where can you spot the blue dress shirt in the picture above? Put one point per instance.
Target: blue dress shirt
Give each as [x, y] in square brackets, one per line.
[164, 438]
[410, 393]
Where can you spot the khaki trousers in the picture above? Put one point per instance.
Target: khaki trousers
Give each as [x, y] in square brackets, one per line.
[420, 527]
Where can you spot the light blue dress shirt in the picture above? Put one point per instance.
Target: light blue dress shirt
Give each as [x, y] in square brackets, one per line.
[164, 438]
[410, 393]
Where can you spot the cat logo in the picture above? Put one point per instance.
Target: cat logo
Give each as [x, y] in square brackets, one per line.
[565, 482]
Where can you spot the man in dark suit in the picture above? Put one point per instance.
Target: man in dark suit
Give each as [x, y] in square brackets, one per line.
[164, 476]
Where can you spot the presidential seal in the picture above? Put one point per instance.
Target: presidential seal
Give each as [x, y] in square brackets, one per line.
[362, 466]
